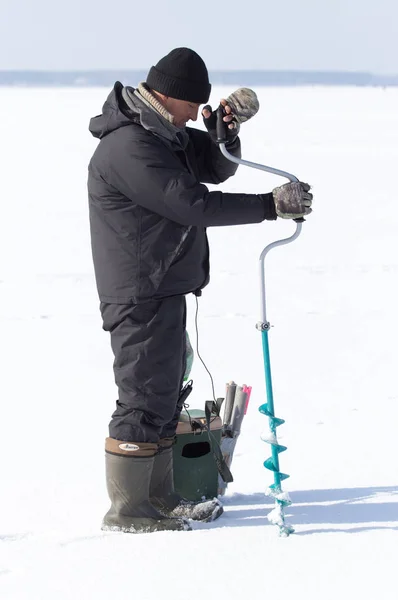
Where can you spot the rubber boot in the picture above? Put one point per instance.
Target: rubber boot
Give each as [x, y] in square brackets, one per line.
[164, 497]
[128, 474]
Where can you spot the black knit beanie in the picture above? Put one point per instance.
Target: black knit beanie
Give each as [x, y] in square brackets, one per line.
[181, 74]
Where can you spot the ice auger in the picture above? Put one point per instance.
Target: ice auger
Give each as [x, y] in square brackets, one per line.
[282, 499]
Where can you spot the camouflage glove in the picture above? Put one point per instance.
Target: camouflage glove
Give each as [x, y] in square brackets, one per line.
[240, 106]
[244, 104]
[292, 200]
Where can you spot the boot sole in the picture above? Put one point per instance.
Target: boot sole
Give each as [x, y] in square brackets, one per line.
[148, 526]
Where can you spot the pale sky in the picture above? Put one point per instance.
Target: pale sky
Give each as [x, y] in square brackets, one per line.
[344, 35]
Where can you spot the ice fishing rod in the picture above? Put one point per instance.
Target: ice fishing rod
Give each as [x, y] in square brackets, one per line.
[282, 499]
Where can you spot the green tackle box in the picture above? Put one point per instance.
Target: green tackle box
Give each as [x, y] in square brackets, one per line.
[195, 469]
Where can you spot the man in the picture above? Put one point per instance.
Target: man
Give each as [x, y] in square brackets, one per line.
[149, 209]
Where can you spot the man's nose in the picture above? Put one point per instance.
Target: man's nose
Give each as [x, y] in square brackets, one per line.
[194, 114]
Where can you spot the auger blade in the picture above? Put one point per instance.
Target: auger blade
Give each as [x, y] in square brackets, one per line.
[279, 448]
[276, 422]
[264, 410]
[269, 464]
[277, 517]
[285, 530]
[283, 499]
[275, 489]
[270, 438]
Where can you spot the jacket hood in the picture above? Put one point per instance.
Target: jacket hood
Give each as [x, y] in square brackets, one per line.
[116, 113]
[112, 116]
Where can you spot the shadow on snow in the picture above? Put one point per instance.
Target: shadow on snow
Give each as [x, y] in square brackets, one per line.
[371, 508]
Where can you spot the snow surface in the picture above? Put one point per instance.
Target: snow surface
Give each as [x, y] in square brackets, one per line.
[332, 299]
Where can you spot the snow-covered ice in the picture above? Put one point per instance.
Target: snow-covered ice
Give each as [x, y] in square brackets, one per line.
[332, 300]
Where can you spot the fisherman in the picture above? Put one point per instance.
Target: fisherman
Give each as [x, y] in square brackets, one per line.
[149, 210]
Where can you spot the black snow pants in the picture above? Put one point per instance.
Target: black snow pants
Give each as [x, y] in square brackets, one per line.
[149, 345]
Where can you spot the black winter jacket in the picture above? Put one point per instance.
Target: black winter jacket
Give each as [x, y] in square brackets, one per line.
[148, 206]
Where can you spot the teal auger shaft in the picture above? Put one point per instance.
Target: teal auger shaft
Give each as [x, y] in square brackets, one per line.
[270, 409]
[277, 516]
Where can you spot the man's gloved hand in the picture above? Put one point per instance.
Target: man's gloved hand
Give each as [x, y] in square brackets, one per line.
[210, 120]
[240, 106]
[244, 104]
[292, 200]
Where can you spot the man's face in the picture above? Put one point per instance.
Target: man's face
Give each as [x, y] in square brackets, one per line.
[182, 111]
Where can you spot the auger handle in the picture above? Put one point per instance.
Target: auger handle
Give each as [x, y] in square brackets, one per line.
[221, 126]
[299, 222]
[254, 165]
